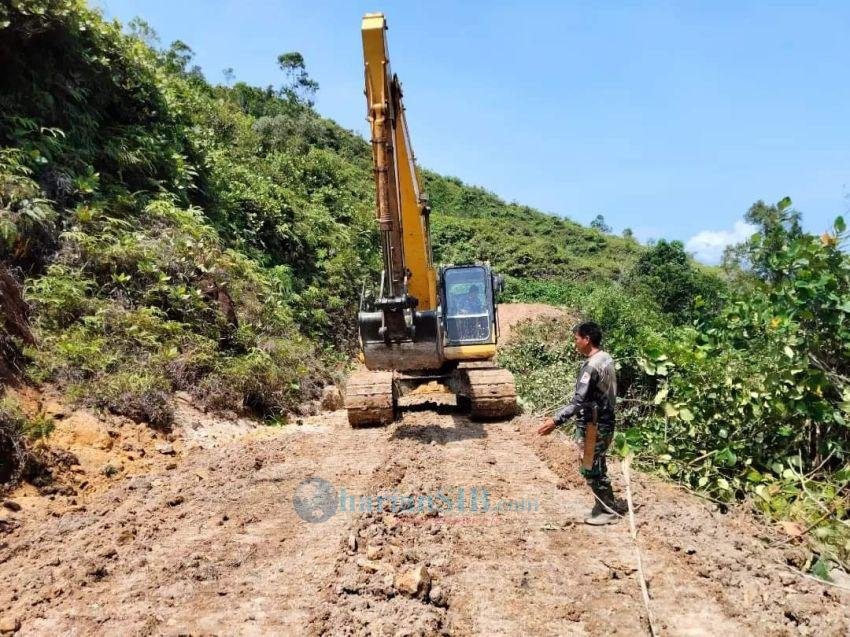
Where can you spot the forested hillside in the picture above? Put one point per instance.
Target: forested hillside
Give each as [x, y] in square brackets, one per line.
[170, 233]
[177, 234]
[471, 223]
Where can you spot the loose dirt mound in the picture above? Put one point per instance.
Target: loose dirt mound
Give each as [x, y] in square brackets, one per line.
[513, 314]
[212, 543]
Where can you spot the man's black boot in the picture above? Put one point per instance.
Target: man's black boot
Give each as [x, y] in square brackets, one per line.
[600, 515]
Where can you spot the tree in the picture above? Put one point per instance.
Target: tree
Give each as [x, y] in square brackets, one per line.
[599, 224]
[178, 55]
[143, 31]
[628, 233]
[177, 58]
[778, 226]
[666, 274]
[299, 85]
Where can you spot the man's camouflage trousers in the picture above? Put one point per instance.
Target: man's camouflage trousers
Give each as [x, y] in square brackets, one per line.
[597, 475]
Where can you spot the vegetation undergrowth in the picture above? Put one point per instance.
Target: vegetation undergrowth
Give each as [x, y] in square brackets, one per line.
[19, 436]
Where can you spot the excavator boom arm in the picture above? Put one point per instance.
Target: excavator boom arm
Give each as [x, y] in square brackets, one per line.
[401, 210]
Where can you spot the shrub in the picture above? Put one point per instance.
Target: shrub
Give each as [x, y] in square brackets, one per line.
[12, 445]
[142, 396]
[750, 403]
[666, 274]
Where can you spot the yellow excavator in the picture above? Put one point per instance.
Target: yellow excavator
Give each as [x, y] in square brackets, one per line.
[423, 328]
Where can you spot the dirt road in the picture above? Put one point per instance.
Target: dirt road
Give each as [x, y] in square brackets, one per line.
[209, 542]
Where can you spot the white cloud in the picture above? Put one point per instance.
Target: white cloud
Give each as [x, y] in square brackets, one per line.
[707, 246]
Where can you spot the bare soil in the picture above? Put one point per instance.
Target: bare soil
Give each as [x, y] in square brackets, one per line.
[195, 532]
[511, 315]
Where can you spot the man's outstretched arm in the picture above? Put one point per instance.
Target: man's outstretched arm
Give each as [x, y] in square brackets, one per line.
[582, 392]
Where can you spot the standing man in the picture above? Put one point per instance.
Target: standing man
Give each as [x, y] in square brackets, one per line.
[593, 403]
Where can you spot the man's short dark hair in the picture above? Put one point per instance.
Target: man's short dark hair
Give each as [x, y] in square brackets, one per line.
[590, 330]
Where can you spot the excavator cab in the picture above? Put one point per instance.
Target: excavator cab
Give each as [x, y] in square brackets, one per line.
[469, 308]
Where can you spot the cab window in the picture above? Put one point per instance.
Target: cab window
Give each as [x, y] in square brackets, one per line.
[469, 305]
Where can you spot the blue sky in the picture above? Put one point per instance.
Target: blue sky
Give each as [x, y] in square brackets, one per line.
[667, 117]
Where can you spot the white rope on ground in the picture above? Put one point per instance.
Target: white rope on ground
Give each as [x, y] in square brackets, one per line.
[625, 466]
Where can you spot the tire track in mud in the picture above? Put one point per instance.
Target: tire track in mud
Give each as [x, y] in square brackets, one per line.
[495, 571]
[212, 546]
[543, 572]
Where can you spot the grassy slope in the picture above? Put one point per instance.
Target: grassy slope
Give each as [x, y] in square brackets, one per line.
[470, 223]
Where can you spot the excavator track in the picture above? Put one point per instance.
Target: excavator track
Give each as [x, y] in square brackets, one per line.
[491, 392]
[370, 399]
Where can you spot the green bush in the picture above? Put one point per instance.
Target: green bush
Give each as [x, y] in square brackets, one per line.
[27, 221]
[135, 308]
[543, 357]
[142, 396]
[17, 435]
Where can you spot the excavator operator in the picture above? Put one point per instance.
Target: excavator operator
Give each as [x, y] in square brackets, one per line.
[472, 302]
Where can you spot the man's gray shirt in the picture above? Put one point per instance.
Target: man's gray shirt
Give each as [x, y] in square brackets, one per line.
[596, 385]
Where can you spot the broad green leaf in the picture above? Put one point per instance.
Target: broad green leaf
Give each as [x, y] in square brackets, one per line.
[754, 476]
[685, 414]
[726, 456]
[621, 445]
[647, 367]
[820, 569]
